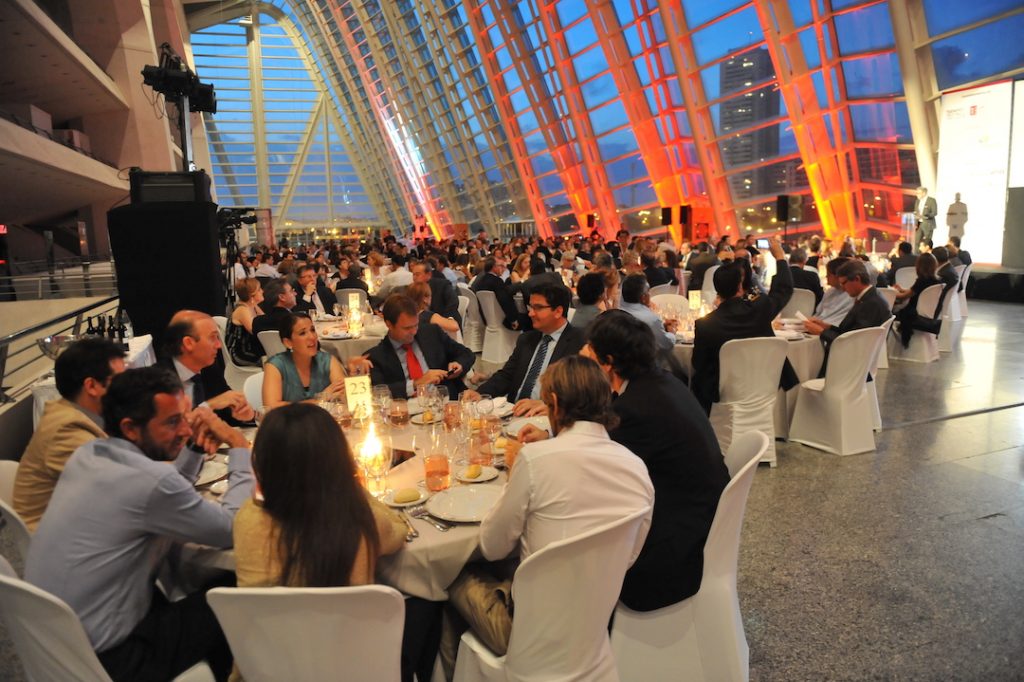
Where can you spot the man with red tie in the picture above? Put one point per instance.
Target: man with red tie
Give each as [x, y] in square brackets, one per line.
[414, 354]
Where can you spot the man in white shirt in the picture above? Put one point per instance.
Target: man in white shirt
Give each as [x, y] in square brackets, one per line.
[266, 267]
[834, 304]
[557, 488]
[400, 276]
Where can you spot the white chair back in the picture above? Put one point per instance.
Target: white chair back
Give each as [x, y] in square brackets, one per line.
[234, 374]
[498, 341]
[6, 569]
[707, 287]
[222, 325]
[8, 472]
[663, 289]
[811, 268]
[661, 301]
[472, 322]
[748, 388]
[928, 302]
[850, 357]
[889, 294]
[906, 277]
[802, 300]
[702, 635]
[876, 364]
[253, 390]
[271, 341]
[463, 309]
[10, 521]
[585, 571]
[327, 633]
[342, 297]
[964, 278]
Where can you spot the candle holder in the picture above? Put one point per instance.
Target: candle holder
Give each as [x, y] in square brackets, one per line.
[375, 457]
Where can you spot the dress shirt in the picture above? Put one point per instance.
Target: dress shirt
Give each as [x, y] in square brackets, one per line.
[662, 338]
[563, 487]
[555, 335]
[410, 388]
[397, 278]
[451, 276]
[111, 521]
[834, 306]
[186, 375]
[314, 300]
[267, 270]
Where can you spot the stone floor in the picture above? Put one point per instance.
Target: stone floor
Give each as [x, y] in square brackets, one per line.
[902, 563]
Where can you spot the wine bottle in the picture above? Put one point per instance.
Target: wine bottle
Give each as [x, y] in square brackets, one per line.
[90, 330]
[111, 328]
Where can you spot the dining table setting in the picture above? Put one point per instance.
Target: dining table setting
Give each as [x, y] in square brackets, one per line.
[437, 462]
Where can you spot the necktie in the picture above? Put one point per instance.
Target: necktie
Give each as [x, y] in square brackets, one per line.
[198, 394]
[415, 371]
[538, 362]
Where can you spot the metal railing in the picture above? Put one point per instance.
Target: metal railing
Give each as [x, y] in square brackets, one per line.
[33, 350]
[82, 281]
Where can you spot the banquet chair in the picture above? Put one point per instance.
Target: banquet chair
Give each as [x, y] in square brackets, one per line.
[472, 324]
[253, 390]
[313, 633]
[748, 386]
[906, 277]
[802, 300]
[50, 640]
[341, 295]
[6, 569]
[923, 346]
[664, 289]
[700, 638]
[707, 287]
[834, 413]
[952, 322]
[19, 532]
[271, 341]
[663, 300]
[872, 386]
[560, 643]
[889, 294]
[498, 341]
[8, 472]
[965, 277]
[234, 373]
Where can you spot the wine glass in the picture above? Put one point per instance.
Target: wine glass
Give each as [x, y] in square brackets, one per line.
[380, 397]
[399, 412]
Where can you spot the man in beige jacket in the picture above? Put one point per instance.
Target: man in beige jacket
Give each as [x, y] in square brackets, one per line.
[83, 372]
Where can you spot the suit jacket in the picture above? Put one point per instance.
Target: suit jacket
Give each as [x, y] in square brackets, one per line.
[438, 350]
[270, 321]
[737, 318]
[656, 277]
[211, 383]
[661, 423]
[698, 265]
[488, 281]
[805, 279]
[443, 299]
[507, 380]
[926, 223]
[948, 276]
[351, 282]
[61, 430]
[870, 311]
[327, 299]
[964, 256]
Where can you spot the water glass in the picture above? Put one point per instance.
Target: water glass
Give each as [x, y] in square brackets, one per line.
[399, 412]
[381, 399]
[436, 470]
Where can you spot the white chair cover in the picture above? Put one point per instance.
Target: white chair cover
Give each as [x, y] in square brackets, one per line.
[834, 413]
[924, 346]
[271, 342]
[10, 521]
[964, 277]
[498, 341]
[569, 644]
[50, 640]
[664, 289]
[906, 277]
[6, 569]
[700, 638]
[341, 295]
[234, 374]
[661, 301]
[952, 322]
[325, 633]
[8, 472]
[872, 386]
[253, 390]
[748, 386]
[472, 323]
[707, 287]
[889, 294]
[802, 300]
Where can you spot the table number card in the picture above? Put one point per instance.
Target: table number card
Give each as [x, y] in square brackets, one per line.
[695, 300]
[359, 395]
[353, 301]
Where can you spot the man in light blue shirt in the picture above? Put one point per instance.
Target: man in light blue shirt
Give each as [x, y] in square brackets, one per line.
[120, 505]
[835, 304]
[636, 300]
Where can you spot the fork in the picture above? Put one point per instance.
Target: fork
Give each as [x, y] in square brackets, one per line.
[420, 512]
[412, 533]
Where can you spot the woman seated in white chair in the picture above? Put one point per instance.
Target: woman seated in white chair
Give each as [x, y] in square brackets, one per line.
[908, 315]
[304, 372]
[242, 344]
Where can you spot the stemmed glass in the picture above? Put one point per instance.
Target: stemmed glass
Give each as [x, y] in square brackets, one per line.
[381, 399]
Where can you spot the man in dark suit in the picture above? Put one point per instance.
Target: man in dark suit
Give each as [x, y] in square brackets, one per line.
[869, 308]
[738, 317]
[314, 296]
[443, 299]
[655, 275]
[905, 258]
[490, 280]
[662, 424]
[699, 264]
[954, 249]
[925, 210]
[278, 300]
[945, 272]
[552, 335]
[414, 355]
[348, 276]
[804, 279]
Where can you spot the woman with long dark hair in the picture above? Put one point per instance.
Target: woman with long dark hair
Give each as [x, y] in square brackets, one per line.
[908, 317]
[303, 371]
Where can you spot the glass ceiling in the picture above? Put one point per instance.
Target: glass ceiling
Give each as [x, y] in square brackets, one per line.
[478, 113]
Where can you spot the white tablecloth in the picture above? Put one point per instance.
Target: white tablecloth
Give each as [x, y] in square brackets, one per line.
[424, 567]
[140, 354]
[346, 348]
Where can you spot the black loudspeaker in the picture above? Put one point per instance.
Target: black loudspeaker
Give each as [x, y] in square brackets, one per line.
[591, 219]
[685, 215]
[167, 258]
[782, 208]
[154, 187]
[666, 215]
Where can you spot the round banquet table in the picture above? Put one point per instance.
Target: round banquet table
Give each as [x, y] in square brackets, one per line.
[424, 567]
[347, 348]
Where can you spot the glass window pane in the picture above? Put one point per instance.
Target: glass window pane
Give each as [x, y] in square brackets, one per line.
[866, 29]
[943, 15]
[976, 54]
[886, 122]
[701, 11]
[720, 38]
[873, 76]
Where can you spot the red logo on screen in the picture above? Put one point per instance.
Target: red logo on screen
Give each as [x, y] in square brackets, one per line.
[974, 109]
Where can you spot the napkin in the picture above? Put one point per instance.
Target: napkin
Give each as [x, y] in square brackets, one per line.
[800, 316]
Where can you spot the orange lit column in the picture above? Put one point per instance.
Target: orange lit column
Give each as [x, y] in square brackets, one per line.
[563, 153]
[668, 185]
[823, 162]
[509, 121]
[680, 45]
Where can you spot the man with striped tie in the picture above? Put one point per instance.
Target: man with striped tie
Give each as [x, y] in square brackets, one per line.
[551, 339]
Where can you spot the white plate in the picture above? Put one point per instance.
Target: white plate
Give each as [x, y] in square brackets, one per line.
[791, 321]
[211, 471]
[465, 504]
[486, 474]
[389, 499]
[418, 419]
[337, 336]
[513, 427]
[414, 406]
